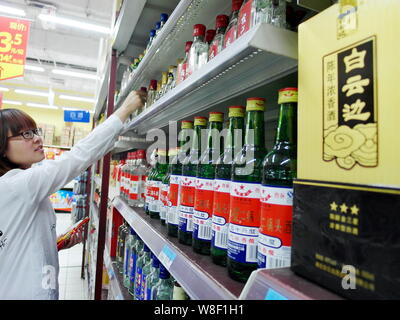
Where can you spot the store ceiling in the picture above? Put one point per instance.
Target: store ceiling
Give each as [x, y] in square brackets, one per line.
[52, 45]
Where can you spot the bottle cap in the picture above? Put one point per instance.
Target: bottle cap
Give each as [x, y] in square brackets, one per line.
[136, 60]
[172, 152]
[210, 34]
[288, 95]
[200, 121]
[152, 33]
[141, 154]
[171, 69]
[216, 116]
[162, 152]
[236, 111]
[186, 124]
[164, 78]
[141, 56]
[199, 30]
[153, 84]
[236, 4]
[255, 104]
[158, 25]
[179, 61]
[164, 17]
[143, 89]
[188, 45]
[221, 21]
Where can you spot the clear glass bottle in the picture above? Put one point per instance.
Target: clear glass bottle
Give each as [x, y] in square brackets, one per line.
[138, 173]
[150, 42]
[231, 30]
[136, 252]
[141, 262]
[163, 290]
[152, 93]
[122, 232]
[149, 180]
[276, 13]
[147, 270]
[130, 251]
[217, 44]
[171, 79]
[164, 81]
[198, 54]
[163, 20]
[153, 278]
[182, 68]
[132, 195]
[178, 292]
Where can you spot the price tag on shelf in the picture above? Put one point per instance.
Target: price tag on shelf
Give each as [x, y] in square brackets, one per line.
[14, 35]
[167, 256]
[273, 295]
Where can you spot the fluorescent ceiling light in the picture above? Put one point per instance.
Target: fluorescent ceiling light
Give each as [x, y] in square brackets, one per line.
[74, 74]
[4, 89]
[74, 23]
[32, 93]
[11, 10]
[73, 109]
[17, 103]
[34, 68]
[63, 96]
[38, 105]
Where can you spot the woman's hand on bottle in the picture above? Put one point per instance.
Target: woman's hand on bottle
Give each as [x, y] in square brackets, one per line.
[134, 101]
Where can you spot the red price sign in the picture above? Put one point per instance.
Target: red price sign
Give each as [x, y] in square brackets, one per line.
[14, 35]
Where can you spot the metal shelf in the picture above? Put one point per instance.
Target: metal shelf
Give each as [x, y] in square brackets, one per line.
[126, 145]
[262, 55]
[283, 284]
[201, 279]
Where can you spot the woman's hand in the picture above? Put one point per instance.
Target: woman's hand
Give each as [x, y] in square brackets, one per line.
[134, 101]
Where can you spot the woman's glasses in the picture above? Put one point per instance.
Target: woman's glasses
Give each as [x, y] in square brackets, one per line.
[29, 134]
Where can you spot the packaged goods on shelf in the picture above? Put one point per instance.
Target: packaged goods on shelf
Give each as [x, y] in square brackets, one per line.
[347, 193]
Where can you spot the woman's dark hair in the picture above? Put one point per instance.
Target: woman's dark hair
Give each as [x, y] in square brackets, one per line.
[12, 121]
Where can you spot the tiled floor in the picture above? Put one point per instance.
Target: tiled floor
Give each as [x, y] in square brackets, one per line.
[72, 287]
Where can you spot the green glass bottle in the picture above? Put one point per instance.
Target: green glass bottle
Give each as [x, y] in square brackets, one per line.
[204, 195]
[153, 278]
[187, 186]
[163, 290]
[176, 173]
[244, 217]
[279, 170]
[149, 180]
[160, 171]
[222, 183]
[164, 191]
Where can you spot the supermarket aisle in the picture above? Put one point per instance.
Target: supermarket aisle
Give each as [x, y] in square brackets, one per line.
[72, 287]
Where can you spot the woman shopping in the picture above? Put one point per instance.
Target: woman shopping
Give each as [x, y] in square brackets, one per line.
[28, 242]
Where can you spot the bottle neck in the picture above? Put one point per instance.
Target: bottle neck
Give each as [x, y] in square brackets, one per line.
[198, 39]
[254, 136]
[235, 123]
[221, 30]
[213, 127]
[287, 123]
[196, 142]
[162, 164]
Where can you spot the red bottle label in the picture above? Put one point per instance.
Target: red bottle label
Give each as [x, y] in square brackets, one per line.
[187, 191]
[213, 50]
[230, 36]
[173, 191]
[276, 215]
[245, 204]
[244, 21]
[221, 203]
[134, 188]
